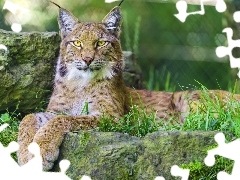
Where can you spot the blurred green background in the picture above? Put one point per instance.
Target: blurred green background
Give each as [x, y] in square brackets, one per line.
[173, 55]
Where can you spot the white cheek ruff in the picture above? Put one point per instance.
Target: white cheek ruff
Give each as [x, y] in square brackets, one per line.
[74, 74]
[104, 73]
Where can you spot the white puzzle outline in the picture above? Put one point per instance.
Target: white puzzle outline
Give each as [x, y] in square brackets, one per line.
[228, 150]
[222, 51]
[233, 147]
[9, 169]
[176, 171]
[182, 9]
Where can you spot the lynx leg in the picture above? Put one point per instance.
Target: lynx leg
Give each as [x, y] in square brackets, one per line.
[184, 102]
[51, 135]
[27, 130]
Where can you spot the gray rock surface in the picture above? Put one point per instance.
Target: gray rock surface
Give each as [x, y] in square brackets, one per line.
[108, 155]
[26, 68]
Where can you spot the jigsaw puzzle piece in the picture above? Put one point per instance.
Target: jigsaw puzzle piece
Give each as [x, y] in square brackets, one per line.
[64, 165]
[236, 16]
[159, 178]
[35, 164]
[222, 51]
[183, 14]
[221, 6]
[2, 127]
[228, 150]
[224, 176]
[179, 172]
[182, 10]
[88, 178]
[7, 161]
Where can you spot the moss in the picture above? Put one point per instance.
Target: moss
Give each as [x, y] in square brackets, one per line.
[109, 155]
[84, 138]
[198, 170]
[26, 68]
[6, 137]
[100, 155]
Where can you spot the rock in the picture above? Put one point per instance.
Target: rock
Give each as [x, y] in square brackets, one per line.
[109, 155]
[132, 72]
[27, 69]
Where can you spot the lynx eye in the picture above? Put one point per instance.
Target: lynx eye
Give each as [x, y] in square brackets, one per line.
[101, 43]
[77, 43]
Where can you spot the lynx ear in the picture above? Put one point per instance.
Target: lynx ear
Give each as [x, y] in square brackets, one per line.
[113, 21]
[66, 22]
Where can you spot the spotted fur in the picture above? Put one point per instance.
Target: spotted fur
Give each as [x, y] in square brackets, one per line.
[89, 70]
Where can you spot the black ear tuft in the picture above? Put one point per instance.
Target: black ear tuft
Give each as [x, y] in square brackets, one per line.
[120, 3]
[113, 21]
[66, 22]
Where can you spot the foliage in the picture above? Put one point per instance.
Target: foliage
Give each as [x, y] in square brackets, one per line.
[11, 132]
[160, 79]
[131, 45]
[199, 171]
[212, 114]
[137, 122]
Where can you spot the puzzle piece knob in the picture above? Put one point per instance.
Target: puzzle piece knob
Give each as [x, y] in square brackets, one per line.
[85, 178]
[209, 160]
[236, 16]
[220, 138]
[34, 148]
[159, 178]
[2, 127]
[64, 165]
[223, 176]
[13, 147]
[221, 51]
[177, 171]
[221, 6]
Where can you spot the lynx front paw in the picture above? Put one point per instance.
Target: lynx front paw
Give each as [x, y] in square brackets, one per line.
[48, 150]
[24, 156]
[49, 142]
[27, 130]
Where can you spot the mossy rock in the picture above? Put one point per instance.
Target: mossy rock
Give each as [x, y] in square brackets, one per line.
[27, 69]
[111, 155]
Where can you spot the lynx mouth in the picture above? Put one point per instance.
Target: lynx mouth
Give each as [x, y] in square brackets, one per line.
[88, 68]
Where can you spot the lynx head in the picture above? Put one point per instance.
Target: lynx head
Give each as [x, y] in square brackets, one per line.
[90, 50]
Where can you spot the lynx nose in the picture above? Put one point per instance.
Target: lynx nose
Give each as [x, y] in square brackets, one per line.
[88, 60]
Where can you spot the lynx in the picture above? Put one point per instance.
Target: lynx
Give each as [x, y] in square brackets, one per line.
[89, 70]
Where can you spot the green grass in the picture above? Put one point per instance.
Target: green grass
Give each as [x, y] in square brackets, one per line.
[131, 44]
[137, 123]
[210, 116]
[160, 80]
[10, 133]
[214, 115]
[199, 171]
